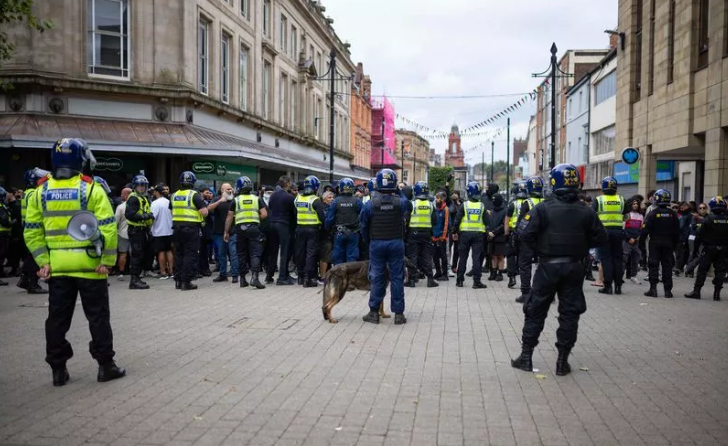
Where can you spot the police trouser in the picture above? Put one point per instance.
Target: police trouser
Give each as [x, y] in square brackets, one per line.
[455, 246]
[386, 255]
[716, 256]
[419, 252]
[566, 279]
[307, 246]
[186, 251]
[63, 292]
[525, 259]
[250, 248]
[470, 240]
[139, 242]
[346, 247]
[363, 249]
[611, 255]
[279, 243]
[660, 254]
[512, 248]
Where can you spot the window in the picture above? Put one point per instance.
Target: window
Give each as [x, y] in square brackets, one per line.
[294, 104]
[725, 27]
[244, 87]
[294, 43]
[108, 37]
[605, 88]
[581, 100]
[651, 74]
[282, 99]
[671, 43]
[317, 118]
[203, 59]
[225, 68]
[571, 107]
[310, 52]
[319, 66]
[703, 34]
[283, 37]
[638, 51]
[266, 18]
[245, 8]
[266, 89]
[604, 140]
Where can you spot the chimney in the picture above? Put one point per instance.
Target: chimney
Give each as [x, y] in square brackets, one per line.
[613, 41]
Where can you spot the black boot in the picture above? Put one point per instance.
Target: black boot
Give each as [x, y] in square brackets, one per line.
[243, 281]
[652, 292]
[695, 294]
[478, 285]
[23, 282]
[469, 273]
[137, 284]
[606, 290]
[110, 371]
[521, 299]
[493, 274]
[668, 293]
[511, 281]
[60, 377]
[269, 279]
[716, 294]
[431, 283]
[525, 360]
[410, 283]
[399, 319]
[499, 277]
[177, 285]
[188, 286]
[589, 276]
[371, 317]
[220, 278]
[311, 282]
[255, 282]
[34, 287]
[460, 283]
[617, 289]
[301, 280]
[562, 363]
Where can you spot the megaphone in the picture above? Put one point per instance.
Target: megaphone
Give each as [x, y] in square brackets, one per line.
[84, 227]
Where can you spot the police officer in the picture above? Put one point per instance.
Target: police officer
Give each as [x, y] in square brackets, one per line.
[382, 225]
[6, 226]
[534, 187]
[470, 224]
[188, 213]
[512, 248]
[713, 234]
[663, 227]
[310, 216]
[73, 266]
[418, 248]
[140, 218]
[29, 275]
[247, 210]
[343, 218]
[560, 231]
[610, 208]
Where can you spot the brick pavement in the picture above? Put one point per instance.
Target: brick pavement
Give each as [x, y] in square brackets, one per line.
[221, 366]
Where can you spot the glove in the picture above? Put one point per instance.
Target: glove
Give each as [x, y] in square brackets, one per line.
[149, 216]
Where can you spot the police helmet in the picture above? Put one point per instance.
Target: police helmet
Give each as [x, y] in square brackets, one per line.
[565, 177]
[372, 185]
[717, 203]
[104, 185]
[386, 180]
[609, 184]
[474, 190]
[662, 198]
[521, 190]
[243, 185]
[346, 186]
[421, 190]
[187, 179]
[140, 180]
[311, 185]
[72, 154]
[32, 176]
[534, 185]
[3, 194]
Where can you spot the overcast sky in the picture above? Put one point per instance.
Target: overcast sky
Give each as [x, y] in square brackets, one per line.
[465, 47]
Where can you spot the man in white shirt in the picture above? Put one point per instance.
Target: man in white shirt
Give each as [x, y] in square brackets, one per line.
[122, 233]
[162, 232]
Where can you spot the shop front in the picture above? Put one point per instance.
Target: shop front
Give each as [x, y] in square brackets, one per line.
[118, 170]
[214, 172]
[627, 176]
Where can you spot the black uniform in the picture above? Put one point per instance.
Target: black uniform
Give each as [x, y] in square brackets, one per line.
[138, 235]
[663, 228]
[418, 247]
[560, 231]
[249, 244]
[187, 245]
[525, 253]
[713, 234]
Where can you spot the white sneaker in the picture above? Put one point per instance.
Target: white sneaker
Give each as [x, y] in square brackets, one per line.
[120, 278]
[636, 280]
[450, 273]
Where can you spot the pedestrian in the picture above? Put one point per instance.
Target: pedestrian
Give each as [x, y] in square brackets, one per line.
[309, 217]
[6, 226]
[29, 275]
[246, 212]
[15, 242]
[610, 208]
[224, 250]
[205, 257]
[162, 233]
[560, 231]
[440, 232]
[630, 245]
[139, 216]
[471, 223]
[382, 226]
[265, 229]
[682, 253]
[663, 228]
[188, 213]
[369, 193]
[343, 219]
[696, 247]
[497, 237]
[418, 248]
[283, 221]
[325, 240]
[534, 187]
[713, 234]
[122, 229]
[454, 209]
[65, 262]
[513, 246]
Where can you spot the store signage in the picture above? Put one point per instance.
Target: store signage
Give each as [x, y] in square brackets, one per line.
[203, 167]
[109, 164]
[630, 155]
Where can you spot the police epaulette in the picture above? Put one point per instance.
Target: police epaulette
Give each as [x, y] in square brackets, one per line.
[87, 179]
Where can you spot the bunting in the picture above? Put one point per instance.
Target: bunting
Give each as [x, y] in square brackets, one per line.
[525, 99]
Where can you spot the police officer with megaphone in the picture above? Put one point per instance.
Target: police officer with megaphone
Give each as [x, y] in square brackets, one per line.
[71, 265]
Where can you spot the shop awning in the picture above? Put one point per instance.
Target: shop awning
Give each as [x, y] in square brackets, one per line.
[31, 131]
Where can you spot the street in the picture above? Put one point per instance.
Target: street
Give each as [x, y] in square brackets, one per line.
[225, 366]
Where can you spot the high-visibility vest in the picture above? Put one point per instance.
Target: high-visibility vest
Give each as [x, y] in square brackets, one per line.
[610, 209]
[246, 209]
[533, 201]
[5, 229]
[144, 208]
[306, 214]
[473, 219]
[421, 215]
[517, 203]
[183, 207]
[24, 203]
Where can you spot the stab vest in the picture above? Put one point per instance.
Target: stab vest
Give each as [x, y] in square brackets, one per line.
[346, 214]
[564, 234]
[386, 220]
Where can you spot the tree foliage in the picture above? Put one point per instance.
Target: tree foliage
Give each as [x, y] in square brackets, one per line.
[437, 176]
[17, 11]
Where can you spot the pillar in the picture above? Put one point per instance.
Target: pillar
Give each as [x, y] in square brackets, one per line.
[648, 171]
[716, 163]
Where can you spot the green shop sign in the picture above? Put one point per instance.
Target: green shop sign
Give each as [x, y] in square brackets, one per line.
[218, 170]
[118, 164]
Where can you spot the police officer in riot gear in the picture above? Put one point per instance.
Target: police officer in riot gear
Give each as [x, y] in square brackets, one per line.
[140, 218]
[610, 208]
[188, 214]
[512, 248]
[470, 224]
[418, 246]
[310, 217]
[343, 219]
[663, 228]
[382, 224]
[247, 211]
[713, 234]
[534, 186]
[560, 231]
[29, 275]
[72, 266]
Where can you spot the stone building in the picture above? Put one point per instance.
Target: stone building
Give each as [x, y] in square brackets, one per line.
[222, 87]
[672, 90]
[361, 121]
[414, 155]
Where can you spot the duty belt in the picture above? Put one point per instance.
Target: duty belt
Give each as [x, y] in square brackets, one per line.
[557, 260]
[246, 226]
[343, 230]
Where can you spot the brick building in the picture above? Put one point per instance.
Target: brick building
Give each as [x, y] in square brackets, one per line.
[414, 155]
[519, 149]
[454, 154]
[361, 121]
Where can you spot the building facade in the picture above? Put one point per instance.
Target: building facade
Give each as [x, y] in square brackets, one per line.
[672, 90]
[384, 149]
[454, 156]
[528, 160]
[577, 122]
[414, 154]
[159, 87]
[361, 121]
[519, 149]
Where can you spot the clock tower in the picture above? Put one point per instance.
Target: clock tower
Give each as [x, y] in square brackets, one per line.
[454, 154]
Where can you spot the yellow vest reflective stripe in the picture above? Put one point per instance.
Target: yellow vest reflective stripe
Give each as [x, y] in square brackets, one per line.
[610, 209]
[144, 208]
[421, 215]
[246, 209]
[516, 212]
[183, 207]
[4, 229]
[24, 204]
[473, 217]
[305, 212]
[532, 202]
